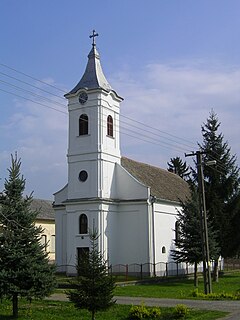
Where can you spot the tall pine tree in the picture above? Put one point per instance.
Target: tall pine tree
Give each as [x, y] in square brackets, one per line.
[221, 184]
[24, 267]
[188, 244]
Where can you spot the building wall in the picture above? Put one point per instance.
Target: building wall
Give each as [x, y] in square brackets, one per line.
[48, 236]
[164, 221]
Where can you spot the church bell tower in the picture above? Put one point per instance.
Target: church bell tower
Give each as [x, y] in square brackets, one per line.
[93, 143]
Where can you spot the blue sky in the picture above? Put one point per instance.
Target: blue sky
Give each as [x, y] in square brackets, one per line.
[172, 61]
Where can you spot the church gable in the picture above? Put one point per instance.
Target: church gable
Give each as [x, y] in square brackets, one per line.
[164, 184]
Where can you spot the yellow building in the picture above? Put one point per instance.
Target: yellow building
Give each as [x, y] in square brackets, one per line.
[46, 219]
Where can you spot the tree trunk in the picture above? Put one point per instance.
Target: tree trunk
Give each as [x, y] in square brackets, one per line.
[195, 275]
[93, 314]
[215, 271]
[15, 305]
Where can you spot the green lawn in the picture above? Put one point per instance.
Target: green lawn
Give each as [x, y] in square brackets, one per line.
[180, 289]
[52, 310]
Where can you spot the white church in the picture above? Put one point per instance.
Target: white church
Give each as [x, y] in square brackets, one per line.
[133, 205]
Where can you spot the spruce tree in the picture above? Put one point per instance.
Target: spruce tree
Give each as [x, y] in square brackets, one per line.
[93, 288]
[221, 184]
[24, 267]
[188, 244]
[177, 166]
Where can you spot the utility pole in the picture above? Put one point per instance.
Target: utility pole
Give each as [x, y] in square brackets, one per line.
[203, 223]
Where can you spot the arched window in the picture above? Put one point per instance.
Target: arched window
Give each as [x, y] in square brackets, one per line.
[163, 249]
[110, 126]
[83, 224]
[83, 125]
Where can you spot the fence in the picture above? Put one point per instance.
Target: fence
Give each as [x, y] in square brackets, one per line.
[231, 264]
[160, 269]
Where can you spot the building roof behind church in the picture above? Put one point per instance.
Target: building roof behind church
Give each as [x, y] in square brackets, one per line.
[164, 184]
[93, 77]
[45, 209]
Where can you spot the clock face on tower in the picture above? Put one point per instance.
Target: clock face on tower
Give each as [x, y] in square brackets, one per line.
[83, 97]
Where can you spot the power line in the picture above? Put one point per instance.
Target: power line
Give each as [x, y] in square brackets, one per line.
[164, 132]
[41, 104]
[33, 93]
[31, 85]
[138, 122]
[154, 140]
[146, 128]
[31, 77]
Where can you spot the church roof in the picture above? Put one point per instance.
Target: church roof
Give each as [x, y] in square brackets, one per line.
[93, 77]
[164, 184]
[45, 209]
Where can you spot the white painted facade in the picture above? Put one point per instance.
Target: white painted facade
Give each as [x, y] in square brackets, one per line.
[132, 228]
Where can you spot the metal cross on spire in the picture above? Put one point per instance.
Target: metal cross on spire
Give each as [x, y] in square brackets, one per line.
[93, 35]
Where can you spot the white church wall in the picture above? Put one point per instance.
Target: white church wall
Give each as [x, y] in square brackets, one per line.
[110, 107]
[74, 239]
[132, 234]
[164, 221]
[61, 195]
[60, 243]
[127, 187]
[79, 189]
[108, 228]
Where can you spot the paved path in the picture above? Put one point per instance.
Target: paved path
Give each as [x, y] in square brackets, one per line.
[229, 306]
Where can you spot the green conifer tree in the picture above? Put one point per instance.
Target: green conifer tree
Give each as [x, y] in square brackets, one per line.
[221, 183]
[177, 166]
[93, 288]
[188, 244]
[24, 267]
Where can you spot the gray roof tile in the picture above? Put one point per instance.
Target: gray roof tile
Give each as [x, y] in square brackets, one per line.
[164, 184]
[44, 207]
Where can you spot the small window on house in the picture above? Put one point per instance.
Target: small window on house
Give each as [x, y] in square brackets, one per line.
[44, 242]
[83, 125]
[163, 249]
[83, 224]
[110, 126]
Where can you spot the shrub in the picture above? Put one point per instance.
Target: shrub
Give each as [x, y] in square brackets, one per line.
[138, 312]
[141, 312]
[181, 311]
[216, 296]
[154, 313]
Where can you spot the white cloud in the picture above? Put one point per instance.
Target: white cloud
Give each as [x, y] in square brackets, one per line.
[39, 136]
[175, 98]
